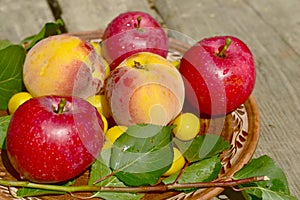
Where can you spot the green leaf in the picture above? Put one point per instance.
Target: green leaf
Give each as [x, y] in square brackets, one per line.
[201, 171]
[275, 188]
[11, 64]
[272, 195]
[32, 192]
[142, 154]
[4, 123]
[100, 169]
[4, 44]
[203, 146]
[51, 28]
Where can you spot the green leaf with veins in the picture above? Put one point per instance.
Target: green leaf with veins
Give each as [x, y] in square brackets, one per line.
[30, 192]
[201, 147]
[4, 123]
[99, 170]
[142, 154]
[202, 171]
[275, 188]
[11, 65]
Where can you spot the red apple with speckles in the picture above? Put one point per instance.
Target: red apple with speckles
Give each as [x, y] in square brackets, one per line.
[53, 139]
[219, 74]
[130, 33]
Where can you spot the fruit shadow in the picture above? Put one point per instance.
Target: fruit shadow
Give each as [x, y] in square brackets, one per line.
[188, 107]
[7, 165]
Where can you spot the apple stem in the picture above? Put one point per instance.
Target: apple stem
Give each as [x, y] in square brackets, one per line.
[139, 19]
[222, 52]
[61, 106]
[138, 65]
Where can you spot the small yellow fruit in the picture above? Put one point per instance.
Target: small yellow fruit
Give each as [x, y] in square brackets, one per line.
[105, 123]
[97, 102]
[176, 63]
[187, 126]
[16, 100]
[107, 68]
[178, 163]
[114, 132]
[97, 47]
[100, 103]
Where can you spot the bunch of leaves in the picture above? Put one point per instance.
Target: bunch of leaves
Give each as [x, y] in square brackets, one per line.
[12, 57]
[136, 157]
[274, 188]
[203, 157]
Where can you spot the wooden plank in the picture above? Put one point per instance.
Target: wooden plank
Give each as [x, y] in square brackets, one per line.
[278, 72]
[19, 18]
[95, 14]
[283, 17]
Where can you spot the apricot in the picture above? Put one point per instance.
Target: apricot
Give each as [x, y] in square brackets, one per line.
[63, 65]
[144, 88]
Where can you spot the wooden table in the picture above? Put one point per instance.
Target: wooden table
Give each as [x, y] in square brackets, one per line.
[271, 28]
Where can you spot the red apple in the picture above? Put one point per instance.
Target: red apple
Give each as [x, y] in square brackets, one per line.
[219, 74]
[52, 139]
[133, 32]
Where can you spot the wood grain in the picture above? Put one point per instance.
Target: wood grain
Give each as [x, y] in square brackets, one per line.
[95, 14]
[19, 18]
[282, 17]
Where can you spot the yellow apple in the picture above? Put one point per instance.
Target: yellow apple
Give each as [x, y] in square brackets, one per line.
[63, 65]
[145, 88]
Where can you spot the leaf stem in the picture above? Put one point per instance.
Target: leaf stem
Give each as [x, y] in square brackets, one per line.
[181, 171]
[105, 177]
[155, 188]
